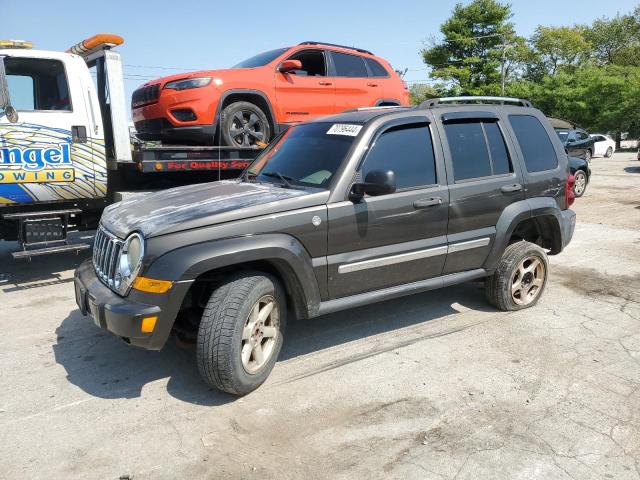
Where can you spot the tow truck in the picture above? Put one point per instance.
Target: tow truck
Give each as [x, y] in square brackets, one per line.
[65, 147]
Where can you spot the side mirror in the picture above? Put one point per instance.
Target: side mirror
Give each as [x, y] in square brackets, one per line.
[5, 100]
[377, 182]
[290, 66]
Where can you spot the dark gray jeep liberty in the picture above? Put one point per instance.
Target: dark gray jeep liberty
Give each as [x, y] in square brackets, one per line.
[343, 211]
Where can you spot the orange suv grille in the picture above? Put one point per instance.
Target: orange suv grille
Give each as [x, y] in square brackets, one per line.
[145, 95]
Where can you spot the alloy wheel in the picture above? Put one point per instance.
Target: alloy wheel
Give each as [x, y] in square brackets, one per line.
[246, 128]
[580, 183]
[527, 281]
[260, 334]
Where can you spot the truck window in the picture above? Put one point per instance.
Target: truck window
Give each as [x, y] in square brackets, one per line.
[37, 84]
[477, 150]
[537, 149]
[408, 151]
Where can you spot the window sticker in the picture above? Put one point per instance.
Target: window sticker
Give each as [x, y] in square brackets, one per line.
[344, 129]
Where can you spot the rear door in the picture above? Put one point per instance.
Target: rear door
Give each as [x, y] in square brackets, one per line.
[354, 88]
[398, 238]
[44, 154]
[483, 181]
[306, 93]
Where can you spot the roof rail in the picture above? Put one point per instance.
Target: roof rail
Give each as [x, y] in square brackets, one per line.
[433, 102]
[361, 50]
[381, 107]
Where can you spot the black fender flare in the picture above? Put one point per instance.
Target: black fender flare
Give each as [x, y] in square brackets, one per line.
[283, 252]
[543, 207]
[245, 91]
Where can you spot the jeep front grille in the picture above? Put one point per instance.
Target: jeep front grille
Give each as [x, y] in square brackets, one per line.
[106, 252]
[145, 95]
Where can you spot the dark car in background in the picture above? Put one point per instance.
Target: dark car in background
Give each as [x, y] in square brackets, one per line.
[577, 142]
[582, 173]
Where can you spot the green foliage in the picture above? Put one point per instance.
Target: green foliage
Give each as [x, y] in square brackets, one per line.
[419, 93]
[587, 74]
[470, 54]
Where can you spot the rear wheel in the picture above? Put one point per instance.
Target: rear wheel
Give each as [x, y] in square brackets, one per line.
[609, 152]
[520, 278]
[243, 124]
[587, 155]
[581, 183]
[241, 333]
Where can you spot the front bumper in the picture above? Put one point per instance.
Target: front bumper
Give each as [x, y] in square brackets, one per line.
[161, 130]
[123, 316]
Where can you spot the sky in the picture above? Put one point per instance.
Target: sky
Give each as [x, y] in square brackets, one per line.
[167, 37]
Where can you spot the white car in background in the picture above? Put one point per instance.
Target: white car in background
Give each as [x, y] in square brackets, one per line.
[603, 146]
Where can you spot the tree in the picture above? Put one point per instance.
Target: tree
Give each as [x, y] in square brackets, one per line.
[475, 40]
[616, 40]
[418, 93]
[559, 47]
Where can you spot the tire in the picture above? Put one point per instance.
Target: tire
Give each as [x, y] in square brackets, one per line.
[608, 153]
[588, 155]
[581, 183]
[230, 312]
[244, 124]
[498, 287]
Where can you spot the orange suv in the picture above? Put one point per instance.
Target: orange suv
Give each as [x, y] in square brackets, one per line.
[254, 100]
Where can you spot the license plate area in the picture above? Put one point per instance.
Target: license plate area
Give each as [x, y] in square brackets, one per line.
[43, 230]
[94, 311]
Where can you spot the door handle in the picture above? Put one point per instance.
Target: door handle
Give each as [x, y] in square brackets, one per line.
[372, 84]
[427, 202]
[325, 83]
[516, 187]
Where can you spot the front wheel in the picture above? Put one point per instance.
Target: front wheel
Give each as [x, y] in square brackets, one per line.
[581, 183]
[587, 155]
[520, 278]
[243, 124]
[241, 333]
[609, 152]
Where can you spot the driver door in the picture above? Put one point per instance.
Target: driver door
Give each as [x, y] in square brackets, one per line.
[397, 238]
[306, 93]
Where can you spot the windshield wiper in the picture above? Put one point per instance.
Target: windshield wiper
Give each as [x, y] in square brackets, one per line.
[285, 179]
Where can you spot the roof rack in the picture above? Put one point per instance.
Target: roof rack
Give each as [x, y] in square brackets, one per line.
[381, 107]
[361, 50]
[433, 102]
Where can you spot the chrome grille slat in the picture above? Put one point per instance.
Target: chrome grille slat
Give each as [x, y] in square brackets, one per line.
[106, 251]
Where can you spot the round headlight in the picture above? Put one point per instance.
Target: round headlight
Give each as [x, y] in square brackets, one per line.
[130, 262]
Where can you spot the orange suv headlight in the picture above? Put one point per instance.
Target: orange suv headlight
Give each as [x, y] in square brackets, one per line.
[188, 83]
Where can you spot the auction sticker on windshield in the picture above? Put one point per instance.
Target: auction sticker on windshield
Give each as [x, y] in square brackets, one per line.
[344, 129]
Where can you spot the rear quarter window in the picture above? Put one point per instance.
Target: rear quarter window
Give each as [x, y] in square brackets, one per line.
[537, 149]
[375, 68]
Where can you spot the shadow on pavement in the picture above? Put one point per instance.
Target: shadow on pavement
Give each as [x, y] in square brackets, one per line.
[632, 169]
[104, 366]
[17, 275]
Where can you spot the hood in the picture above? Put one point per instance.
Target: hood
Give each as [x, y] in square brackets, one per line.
[194, 206]
[223, 74]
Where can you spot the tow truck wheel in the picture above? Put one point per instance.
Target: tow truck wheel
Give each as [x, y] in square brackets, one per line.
[243, 124]
[241, 332]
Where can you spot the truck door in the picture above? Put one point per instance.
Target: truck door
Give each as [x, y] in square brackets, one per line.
[47, 155]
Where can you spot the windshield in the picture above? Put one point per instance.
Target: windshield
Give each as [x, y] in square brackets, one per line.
[261, 59]
[563, 135]
[306, 155]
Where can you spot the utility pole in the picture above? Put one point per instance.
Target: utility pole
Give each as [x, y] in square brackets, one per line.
[504, 59]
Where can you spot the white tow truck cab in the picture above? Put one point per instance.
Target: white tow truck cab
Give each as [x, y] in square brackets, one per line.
[65, 145]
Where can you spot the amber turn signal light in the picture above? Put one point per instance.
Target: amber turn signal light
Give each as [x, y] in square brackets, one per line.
[148, 324]
[151, 285]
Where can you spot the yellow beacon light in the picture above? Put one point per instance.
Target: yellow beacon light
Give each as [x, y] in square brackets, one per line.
[16, 44]
[97, 42]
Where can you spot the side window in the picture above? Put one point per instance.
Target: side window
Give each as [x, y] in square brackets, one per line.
[22, 92]
[477, 150]
[349, 65]
[375, 68]
[537, 149]
[408, 151]
[37, 84]
[313, 64]
[582, 136]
